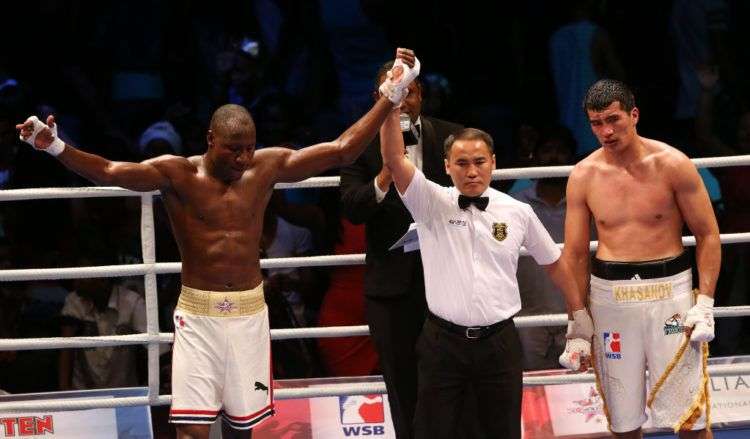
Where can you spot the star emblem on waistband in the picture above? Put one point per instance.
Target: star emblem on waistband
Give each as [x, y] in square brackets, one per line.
[225, 306]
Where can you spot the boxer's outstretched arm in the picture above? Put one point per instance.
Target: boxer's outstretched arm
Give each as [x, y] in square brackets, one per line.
[312, 160]
[141, 177]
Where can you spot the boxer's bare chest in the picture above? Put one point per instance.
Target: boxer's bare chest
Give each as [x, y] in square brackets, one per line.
[203, 203]
[620, 197]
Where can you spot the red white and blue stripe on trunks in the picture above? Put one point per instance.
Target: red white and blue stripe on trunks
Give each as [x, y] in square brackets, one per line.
[177, 416]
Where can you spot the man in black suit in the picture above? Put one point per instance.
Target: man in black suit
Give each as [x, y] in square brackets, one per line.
[394, 284]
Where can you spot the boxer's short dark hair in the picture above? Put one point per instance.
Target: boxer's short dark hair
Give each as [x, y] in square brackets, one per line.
[604, 92]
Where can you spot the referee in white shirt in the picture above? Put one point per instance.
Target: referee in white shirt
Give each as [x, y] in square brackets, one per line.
[470, 237]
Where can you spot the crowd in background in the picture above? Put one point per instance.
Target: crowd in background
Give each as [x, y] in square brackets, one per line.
[133, 80]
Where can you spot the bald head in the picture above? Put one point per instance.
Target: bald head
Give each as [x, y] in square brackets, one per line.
[231, 119]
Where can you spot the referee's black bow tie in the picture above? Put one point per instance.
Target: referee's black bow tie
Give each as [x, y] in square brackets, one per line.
[479, 202]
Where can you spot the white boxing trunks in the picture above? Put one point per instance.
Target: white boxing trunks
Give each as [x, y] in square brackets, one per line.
[221, 362]
[638, 311]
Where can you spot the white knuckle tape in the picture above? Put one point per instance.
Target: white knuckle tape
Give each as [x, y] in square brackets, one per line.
[576, 349]
[701, 318]
[55, 148]
[702, 335]
[397, 91]
[37, 126]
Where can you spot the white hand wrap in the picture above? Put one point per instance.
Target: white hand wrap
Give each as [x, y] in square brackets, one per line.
[55, 148]
[578, 345]
[397, 89]
[576, 349]
[701, 318]
[581, 326]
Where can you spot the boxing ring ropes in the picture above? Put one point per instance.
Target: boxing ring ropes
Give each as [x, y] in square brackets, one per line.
[150, 268]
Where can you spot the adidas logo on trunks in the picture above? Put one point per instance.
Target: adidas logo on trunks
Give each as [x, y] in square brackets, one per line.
[636, 277]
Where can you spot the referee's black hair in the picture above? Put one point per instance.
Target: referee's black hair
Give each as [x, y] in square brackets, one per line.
[468, 134]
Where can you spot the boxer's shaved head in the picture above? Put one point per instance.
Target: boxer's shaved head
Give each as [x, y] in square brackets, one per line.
[231, 118]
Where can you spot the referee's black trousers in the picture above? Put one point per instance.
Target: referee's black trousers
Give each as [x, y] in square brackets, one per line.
[449, 364]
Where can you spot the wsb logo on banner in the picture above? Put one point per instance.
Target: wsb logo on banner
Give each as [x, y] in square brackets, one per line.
[27, 426]
[362, 415]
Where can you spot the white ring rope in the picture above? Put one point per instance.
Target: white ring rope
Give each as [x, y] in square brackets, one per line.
[564, 171]
[716, 370]
[68, 192]
[150, 268]
[27, 344]
[25, 274]
[318, 182]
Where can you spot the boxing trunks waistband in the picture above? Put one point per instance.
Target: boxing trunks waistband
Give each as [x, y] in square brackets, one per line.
[619, 283]
[612, 270]
[221, 303]
[469, 332]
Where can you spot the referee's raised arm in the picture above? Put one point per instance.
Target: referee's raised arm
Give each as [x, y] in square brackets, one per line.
[392, 148]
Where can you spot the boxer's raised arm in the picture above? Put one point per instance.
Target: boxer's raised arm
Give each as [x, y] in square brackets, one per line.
[142, 177]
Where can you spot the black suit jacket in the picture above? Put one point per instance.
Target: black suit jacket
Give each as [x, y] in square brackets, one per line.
[391, 273]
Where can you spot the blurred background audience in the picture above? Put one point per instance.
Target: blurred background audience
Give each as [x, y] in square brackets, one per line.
[137, 80]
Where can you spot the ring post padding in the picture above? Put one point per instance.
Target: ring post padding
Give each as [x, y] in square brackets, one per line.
[148, 248]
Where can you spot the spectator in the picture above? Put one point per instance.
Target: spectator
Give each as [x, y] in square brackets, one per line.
[10, 321]
[543, 345]
[279, 123]
[699, 31]
[97, 307]
[734, 216]
[437, 95]
[286, 291]
[241, 74]
[158, 139]
[580, 53]
[344, 305]
[526, 139]
[357, 45]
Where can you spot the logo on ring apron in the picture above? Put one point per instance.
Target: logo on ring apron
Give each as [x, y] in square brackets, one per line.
[499, 231]
[362, 415]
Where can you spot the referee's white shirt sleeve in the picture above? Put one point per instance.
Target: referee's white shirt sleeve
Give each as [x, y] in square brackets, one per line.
[425, 199]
